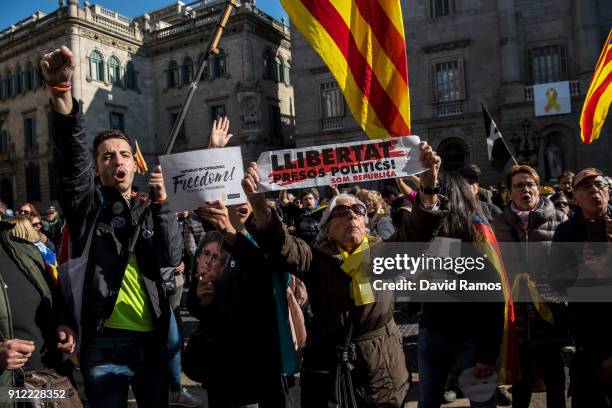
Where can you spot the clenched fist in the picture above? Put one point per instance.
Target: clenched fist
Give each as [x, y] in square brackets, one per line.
[58, 66]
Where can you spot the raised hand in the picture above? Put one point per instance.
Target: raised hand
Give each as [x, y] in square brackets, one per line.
[250, 184]
[58, 66]
[219, 133]
[57, 69]
[156, 183]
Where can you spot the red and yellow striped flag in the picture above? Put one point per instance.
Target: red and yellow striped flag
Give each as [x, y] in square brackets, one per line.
[141, 164]
[363, 44]
[599, 96]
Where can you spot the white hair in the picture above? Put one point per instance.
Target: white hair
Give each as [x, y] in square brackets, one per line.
[332, 204]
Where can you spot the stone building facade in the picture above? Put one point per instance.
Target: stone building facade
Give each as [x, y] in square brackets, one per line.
[134, 74]
[462, 53]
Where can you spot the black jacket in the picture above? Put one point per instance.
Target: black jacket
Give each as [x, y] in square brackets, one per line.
[241, 321]
[587, 321]
[79, 197]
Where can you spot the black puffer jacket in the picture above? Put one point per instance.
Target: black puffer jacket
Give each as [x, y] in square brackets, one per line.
[79, 197]
[543, 221]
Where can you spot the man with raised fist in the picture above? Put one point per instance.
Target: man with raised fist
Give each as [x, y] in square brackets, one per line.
[125, 312]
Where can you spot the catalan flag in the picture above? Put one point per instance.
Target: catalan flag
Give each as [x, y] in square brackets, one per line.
[363, 44]
[599, 96]
[141, 164]
[486, 242]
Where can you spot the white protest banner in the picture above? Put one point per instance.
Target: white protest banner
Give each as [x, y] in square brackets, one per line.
[192, 178]
[339, 163]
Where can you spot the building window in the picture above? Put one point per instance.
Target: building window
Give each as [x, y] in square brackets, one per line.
[117, 121]
[441, 8]
[288, 72]
[187, 71]
[173, 75]
[216, 112]
[181, 136]
[546, 64]
[18, 81]
[8, 84]
[332, 104]
[268, 60]
[29, 132]
[28, 82]
[276, 130]
[32, 176]
[278, 69]
[448, 84]
[130, 76]
[38, 78]
[114, 73]
[96, 66]
[52, 181]
[206, 73]
[219, 68]
[3, 141]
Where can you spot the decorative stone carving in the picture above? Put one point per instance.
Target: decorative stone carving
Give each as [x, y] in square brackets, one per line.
[250, 111]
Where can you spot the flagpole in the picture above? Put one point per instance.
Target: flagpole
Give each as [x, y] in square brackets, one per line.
[500, 135]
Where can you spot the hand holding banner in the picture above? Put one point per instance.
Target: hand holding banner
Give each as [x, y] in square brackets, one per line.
[192, 178]
[339, 163]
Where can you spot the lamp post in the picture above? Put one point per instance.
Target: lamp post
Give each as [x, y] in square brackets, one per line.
[526, 146]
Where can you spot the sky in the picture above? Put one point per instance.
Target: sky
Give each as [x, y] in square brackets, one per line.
[13, 11]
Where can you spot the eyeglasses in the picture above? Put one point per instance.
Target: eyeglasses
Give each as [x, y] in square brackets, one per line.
[341, 210]
[530, 185]
[561, 204]
[214, 257]
[598, 184]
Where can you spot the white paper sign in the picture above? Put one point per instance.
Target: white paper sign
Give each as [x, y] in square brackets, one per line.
[339, 163]
[192, 178]
[552, 99]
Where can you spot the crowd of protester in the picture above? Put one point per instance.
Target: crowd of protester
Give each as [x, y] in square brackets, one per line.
[277, 284]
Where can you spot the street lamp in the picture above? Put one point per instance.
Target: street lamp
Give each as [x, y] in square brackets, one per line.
[526, 146]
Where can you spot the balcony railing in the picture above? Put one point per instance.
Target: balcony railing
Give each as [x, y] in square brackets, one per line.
[448, 109]
[331, 124]
[574, 90]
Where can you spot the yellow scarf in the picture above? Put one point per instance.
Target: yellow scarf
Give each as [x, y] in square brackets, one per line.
[541, 307]
[355, 265]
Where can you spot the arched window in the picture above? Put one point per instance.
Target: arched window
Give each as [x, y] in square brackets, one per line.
[268, 61]
[206, 73]
[114, 73]
[96, 66]
[219, 68]
[187, 71]
[288, 72]
[130, 76]
[278, 69]
[173, 74]
[28, 77]
[18, 80]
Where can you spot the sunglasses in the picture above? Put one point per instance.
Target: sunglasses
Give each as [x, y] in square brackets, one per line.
[23, 212]
[341, 210]
[36, 224]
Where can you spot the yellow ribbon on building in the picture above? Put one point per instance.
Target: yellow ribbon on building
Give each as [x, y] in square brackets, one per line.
[551, 99]
[353, 266]
[541, 307]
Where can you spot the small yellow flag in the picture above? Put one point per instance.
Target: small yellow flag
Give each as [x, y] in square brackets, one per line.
[141, 164]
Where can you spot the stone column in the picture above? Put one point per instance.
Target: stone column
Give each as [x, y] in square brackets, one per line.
[588, 41]
[509, 46]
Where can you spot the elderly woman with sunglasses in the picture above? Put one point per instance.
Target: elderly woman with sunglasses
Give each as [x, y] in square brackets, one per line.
[338, 296]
